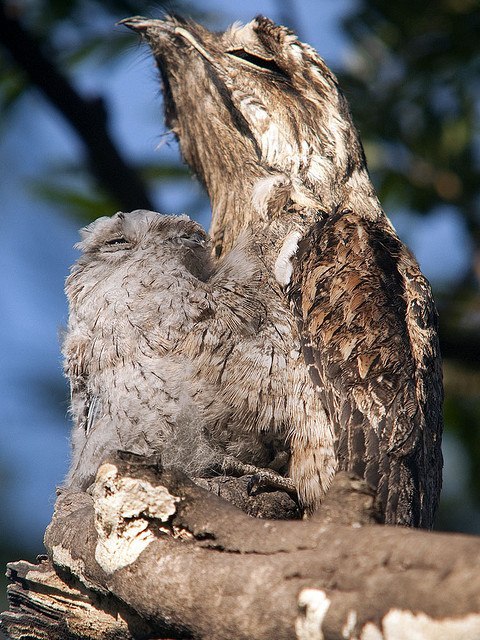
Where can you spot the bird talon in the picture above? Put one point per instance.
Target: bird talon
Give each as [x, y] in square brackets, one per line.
[256, 482]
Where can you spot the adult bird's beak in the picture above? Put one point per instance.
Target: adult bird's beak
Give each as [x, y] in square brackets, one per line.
[137, 23]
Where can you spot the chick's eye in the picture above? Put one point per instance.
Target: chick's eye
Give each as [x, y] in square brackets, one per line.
[192, 240]
[268, 64]
[116, 241]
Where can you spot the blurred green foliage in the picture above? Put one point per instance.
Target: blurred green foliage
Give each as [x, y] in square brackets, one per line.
[414, 86]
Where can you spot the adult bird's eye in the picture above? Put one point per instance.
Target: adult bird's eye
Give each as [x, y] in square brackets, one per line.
[268, 64]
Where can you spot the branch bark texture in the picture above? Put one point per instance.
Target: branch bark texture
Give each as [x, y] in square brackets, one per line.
[178, 561]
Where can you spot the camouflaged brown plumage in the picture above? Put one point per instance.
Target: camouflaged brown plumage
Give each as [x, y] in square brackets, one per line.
[255, 110]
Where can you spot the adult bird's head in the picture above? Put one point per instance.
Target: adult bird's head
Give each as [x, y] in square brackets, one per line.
[251, 102]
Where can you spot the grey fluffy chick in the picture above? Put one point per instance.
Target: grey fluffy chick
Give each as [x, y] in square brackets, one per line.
[168, 353]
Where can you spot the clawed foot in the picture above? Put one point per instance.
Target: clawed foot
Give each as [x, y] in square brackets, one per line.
[266, 480]
[261, 480]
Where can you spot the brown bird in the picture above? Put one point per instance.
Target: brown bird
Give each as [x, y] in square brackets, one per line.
[257, 111]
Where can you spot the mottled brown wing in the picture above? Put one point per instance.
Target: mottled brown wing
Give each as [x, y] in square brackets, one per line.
[369, 331]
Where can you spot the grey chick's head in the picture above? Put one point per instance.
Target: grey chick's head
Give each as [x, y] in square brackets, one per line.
[146, 237]
[133, 264]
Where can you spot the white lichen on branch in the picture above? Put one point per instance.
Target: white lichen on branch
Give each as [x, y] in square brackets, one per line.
[396, 624]
[124, 510]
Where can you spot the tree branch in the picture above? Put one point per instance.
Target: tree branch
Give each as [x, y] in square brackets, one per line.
[185, 563]
[87, 117]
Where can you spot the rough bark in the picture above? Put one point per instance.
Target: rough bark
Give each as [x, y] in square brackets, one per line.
[45, 605]
[157, 556]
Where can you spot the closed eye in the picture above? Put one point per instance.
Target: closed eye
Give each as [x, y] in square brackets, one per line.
[268, 64]
[114, 241]
[191, 240]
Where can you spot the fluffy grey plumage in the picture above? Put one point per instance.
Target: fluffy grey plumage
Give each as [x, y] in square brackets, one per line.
[123, 322]
[167, 353]
[254, 110]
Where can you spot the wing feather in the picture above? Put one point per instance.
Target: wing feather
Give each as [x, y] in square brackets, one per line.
[369, 337]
